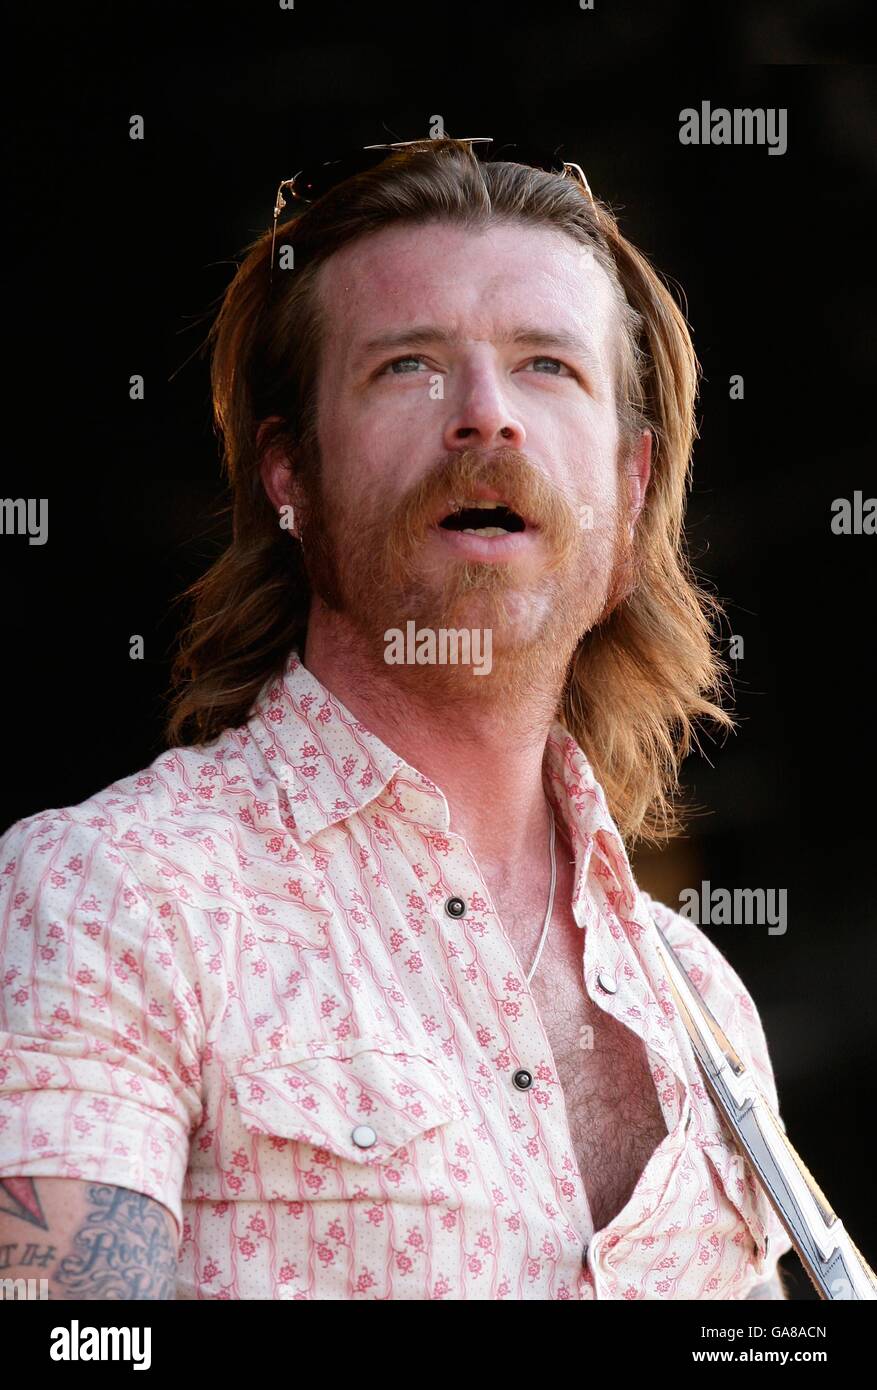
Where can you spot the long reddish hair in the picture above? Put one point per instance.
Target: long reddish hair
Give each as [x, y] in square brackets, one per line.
[639, 680]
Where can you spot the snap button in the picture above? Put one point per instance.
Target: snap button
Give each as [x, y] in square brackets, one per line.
[455, 907]
[606, 982]
[523, 1079]
[364, 1136]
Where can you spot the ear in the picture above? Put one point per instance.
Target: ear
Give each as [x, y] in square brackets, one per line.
[639, 469]
[275, 468]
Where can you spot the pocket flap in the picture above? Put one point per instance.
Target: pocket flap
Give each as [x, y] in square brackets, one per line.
[362, 1099]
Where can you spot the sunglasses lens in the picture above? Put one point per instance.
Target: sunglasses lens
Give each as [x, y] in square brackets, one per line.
[316, 179]
[533, 156]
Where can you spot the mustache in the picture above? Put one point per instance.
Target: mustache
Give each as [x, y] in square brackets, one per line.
[521, 486]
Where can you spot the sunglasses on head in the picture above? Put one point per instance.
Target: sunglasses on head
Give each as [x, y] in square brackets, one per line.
[314, 180]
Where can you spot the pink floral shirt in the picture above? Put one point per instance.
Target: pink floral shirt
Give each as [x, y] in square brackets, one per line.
[232, 982]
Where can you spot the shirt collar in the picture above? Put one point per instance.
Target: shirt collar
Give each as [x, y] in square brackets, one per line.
[328, 779]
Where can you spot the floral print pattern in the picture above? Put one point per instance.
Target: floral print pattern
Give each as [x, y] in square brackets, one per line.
[230, 982]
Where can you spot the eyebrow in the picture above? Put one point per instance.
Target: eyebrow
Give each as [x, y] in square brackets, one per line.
[525, 334]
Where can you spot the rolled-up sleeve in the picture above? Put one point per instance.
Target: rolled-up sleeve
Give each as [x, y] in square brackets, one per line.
[101, 1034]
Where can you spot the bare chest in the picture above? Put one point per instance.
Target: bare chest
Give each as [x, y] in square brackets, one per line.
[612, 1107]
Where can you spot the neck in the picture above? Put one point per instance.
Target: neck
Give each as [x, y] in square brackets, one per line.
[487, 757]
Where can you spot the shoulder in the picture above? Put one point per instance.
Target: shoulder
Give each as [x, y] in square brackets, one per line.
[722, 989]
[85, 933]
[184, 794]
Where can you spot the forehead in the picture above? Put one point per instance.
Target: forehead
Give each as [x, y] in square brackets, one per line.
[474, 282]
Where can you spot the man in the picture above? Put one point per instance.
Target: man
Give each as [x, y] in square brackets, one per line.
[351, 994]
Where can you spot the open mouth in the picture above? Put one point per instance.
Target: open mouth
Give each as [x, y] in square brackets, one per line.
[484, 518]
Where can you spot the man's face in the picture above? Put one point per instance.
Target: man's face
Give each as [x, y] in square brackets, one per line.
[468, 396]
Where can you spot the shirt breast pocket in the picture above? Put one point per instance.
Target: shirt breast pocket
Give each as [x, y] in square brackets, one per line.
[747, 1205]
[325, 1119]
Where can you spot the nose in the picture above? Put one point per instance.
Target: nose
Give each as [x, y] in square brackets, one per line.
[481, 417]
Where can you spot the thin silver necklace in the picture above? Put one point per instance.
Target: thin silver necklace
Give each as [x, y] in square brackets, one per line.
[550, 899]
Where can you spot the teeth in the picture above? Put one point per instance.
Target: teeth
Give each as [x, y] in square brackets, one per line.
[482, 503]
[485, 531]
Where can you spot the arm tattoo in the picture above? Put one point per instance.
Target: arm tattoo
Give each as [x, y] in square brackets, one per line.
[18, 1197]
[123, 1250]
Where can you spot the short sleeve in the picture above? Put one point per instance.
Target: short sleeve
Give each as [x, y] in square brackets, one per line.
[100, 1034]
[734, 1008]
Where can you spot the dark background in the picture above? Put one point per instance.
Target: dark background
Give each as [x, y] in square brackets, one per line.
[120, 248]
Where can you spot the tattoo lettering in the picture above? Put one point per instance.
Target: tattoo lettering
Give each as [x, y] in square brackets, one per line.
[18, 1197]
[33, 1255]
[122, 1251]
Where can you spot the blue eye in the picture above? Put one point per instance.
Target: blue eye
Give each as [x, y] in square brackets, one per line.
[396, 362]
[556, 362]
